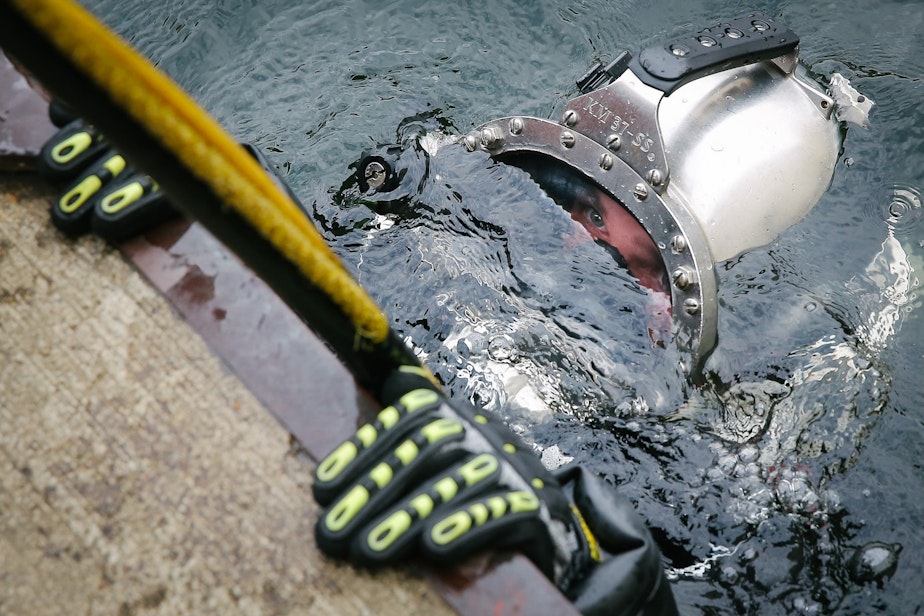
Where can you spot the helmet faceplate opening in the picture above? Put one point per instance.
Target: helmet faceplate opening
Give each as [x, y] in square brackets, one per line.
[605, 220]
[674, 234]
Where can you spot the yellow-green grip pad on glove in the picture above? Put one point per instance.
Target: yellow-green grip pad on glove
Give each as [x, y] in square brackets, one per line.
[442, 480]
[427, 477]
[104, 195]
[72, 149]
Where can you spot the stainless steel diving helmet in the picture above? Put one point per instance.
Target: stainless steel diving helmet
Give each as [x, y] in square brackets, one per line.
[714, 142]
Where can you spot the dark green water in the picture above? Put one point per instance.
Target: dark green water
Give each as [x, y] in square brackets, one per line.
[803, 447]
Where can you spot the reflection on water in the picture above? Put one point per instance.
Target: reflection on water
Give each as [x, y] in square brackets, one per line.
[787, 481]
[797, 433]
[772, 429]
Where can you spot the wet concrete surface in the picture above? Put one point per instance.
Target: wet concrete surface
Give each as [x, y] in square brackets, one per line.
[139, 475]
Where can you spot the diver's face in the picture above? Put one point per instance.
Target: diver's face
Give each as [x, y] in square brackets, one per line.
[607, 221]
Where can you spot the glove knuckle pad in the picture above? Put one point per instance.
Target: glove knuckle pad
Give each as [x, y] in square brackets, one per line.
[346, 462]
[479, 521]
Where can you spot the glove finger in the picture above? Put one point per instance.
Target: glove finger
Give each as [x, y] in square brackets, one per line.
[343, 465]
[498, 520]
[71, 212]
[71, 149]
[393, 535]
[128, 207]
[425, 451]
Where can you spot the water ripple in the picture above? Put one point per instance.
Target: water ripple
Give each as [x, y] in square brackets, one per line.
[900, 210]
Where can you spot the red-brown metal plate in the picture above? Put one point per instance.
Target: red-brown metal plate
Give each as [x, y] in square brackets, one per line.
[300, 381]
[24, 123]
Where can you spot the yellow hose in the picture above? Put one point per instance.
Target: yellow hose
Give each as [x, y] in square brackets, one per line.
[204, 147]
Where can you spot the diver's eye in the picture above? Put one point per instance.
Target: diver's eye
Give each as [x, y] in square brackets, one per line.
[595, 218]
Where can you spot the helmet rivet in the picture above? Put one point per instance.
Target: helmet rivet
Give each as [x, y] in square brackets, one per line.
[678, 244]
[375, 174]
[691, 306]
[490, 138]
[570, 118]
[613, 142]
[567, 139]
[606, 162]
[470, 143]
[655, 178]
[683, 277]
[640, 191]
[516, 126]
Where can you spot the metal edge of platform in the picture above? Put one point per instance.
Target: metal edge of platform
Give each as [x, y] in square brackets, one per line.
[284, 364]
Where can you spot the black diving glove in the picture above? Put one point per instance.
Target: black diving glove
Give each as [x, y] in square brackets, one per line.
[104, 194]
[441, 480]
